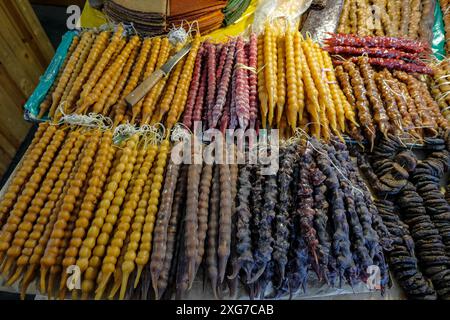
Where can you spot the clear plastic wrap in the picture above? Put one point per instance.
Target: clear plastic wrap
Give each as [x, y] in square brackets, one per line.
[319, 23]
[314, 290]
[427, 21]
[319, 4]
[290, 10]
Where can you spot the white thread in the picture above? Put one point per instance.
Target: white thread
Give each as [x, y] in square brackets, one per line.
[177, 35]
[124, 131]
[180, 132]
[446, 108]
[92, 120]
[336, 167]
[245, 67]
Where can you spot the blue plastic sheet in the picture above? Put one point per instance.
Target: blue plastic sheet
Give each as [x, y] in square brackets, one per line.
[438, 43]
[45, 82]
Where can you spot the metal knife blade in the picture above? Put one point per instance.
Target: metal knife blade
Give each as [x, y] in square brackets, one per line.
[168, 66]
[137, 94]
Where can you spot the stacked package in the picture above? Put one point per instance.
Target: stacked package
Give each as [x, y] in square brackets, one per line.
[148, 17]
[157, 17]
[208, 13]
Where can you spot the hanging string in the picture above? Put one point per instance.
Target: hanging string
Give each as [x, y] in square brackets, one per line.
[180, 132]
[338, 169]
[123, 132]
[177, 35]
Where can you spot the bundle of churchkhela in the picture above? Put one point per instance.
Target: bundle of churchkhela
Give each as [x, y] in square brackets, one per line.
[400, 18]
[415, 211]
[386, 52]
[268, 231]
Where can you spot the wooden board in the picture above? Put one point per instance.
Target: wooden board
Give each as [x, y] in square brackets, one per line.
[34, 29]
[12, 124]
[25, 52]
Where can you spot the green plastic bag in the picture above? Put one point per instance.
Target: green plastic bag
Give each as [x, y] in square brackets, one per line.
[438, 43]
[45, 82]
